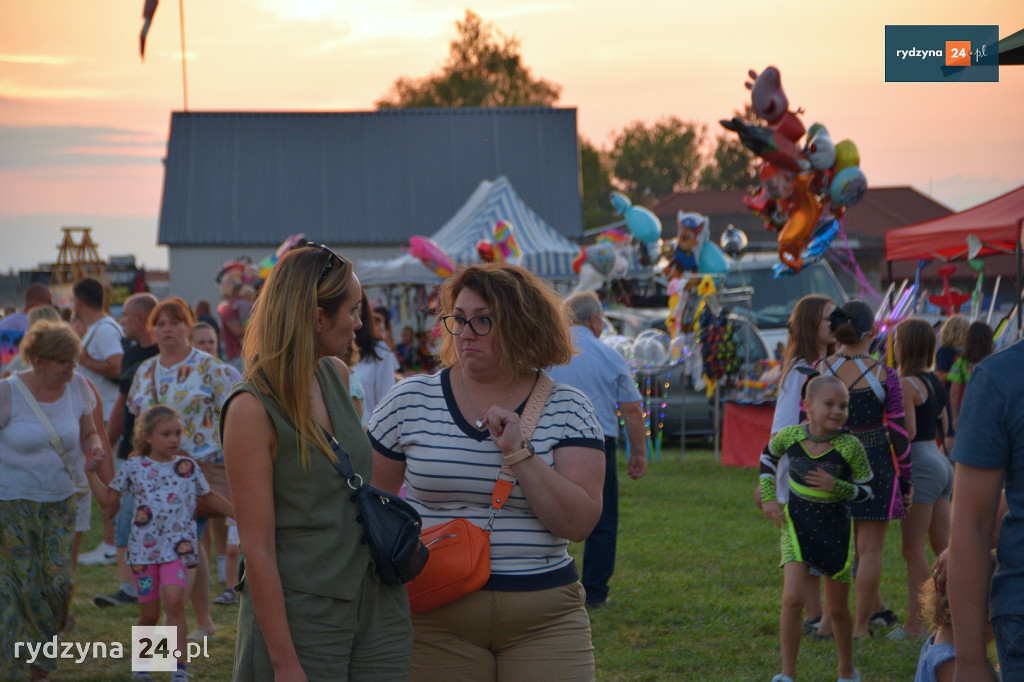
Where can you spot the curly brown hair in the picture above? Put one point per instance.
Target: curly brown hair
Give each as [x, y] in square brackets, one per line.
[527, 322]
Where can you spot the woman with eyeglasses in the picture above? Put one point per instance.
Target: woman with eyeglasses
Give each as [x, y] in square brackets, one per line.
[447, 435]
[311, 605]
[41, 479]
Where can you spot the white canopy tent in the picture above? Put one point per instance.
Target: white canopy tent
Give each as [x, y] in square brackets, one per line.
[546, 253]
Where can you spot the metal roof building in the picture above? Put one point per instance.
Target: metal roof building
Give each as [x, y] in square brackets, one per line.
[239, 183]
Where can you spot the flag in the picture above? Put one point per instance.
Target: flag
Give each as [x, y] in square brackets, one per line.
[147, 13]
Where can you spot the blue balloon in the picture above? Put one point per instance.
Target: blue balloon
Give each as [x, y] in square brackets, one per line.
[620, 203]
[644, 225]
[848, 187]
[711, 259]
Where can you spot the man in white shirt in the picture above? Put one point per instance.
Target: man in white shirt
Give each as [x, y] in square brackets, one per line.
[100, 361]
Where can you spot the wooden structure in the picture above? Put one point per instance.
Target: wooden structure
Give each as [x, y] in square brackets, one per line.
[77, 260]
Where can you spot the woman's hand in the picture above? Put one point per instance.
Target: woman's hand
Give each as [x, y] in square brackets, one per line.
[819, 479]
[94, 459]
[504, 428]
[773, 511]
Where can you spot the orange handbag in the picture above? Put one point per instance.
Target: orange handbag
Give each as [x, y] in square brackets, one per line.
[460, 552]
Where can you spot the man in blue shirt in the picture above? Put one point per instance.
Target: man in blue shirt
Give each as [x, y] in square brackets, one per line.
[989, 454]
[603, 376]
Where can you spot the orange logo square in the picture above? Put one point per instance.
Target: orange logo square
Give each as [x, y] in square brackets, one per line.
[958, 53]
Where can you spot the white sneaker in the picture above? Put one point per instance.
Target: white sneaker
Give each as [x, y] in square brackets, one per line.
[103, 555]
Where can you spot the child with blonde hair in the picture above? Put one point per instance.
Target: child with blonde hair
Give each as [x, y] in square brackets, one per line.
[164, 486]
[938, 655]
[828, 468]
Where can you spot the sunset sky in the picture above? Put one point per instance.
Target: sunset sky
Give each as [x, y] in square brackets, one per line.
[84, 122]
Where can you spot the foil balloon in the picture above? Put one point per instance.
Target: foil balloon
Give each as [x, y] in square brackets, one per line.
[431, 255]
[579, 260]
[614, 236]
[771, 145]
[848, 187]
[734, 242]
[767, 97]
[601, 257]
[824, 234]
[641, 222]
[846, 155]
[820, 148]
[507, 246]
[590, 279]
[485, 249]
[293, 242]
[711, 259]
[802, 221]
[620, 267]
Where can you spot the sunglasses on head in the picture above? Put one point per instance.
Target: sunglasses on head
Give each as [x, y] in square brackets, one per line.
[328, 264]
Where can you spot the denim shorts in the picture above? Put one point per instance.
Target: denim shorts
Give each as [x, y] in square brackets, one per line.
[1010, 643]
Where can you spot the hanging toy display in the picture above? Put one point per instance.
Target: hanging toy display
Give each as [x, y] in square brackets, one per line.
[718, 348]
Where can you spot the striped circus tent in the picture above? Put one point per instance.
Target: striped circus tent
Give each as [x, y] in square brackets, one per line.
[546, 253]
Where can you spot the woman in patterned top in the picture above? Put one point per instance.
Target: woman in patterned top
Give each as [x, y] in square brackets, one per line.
[827, 469]
[196, 385]
[876, 419]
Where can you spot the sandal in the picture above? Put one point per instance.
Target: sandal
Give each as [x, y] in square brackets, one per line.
[226, 598]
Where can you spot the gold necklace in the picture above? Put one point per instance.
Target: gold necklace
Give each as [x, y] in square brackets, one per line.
[480, 422]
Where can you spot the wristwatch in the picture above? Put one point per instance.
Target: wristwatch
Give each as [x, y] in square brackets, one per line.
[516, 457]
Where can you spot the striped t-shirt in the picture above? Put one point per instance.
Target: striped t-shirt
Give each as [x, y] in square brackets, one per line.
[450, 469]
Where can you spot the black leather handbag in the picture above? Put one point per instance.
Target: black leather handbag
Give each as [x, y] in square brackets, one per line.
[391, 527]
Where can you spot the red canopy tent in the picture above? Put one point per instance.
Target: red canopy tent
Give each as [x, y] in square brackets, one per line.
[998, 223]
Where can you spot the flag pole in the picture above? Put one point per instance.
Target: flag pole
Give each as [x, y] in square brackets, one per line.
[184, 71]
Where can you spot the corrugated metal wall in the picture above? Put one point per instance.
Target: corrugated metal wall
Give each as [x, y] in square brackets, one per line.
[368, 178]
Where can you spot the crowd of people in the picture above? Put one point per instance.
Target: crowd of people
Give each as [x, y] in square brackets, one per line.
[162, 415]
[874, 445]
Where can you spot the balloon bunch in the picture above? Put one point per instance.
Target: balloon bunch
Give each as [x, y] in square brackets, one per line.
[805, 186]
[718, 347]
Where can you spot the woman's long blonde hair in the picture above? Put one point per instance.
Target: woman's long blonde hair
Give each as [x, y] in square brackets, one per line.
[280, 344]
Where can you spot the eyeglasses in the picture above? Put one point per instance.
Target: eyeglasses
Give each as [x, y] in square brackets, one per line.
[480, 325]
[331, 255]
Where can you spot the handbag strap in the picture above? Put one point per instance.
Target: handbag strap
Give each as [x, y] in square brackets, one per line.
[55, 440]
[344, 465]
[532, 412]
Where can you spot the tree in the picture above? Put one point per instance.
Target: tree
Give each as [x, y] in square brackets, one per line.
[597, 186]
[731, 165]
[484, 69]
[658, 160]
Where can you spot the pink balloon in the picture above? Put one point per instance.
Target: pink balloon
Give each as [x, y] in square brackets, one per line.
[431, 255]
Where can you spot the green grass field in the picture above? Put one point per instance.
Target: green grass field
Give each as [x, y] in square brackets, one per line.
[695, 594]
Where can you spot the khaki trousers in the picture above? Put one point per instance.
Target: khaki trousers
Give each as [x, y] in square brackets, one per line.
[506, 637]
